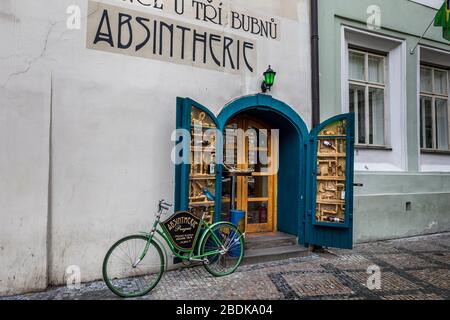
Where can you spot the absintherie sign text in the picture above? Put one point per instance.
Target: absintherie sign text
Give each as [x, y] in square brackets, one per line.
[120, 30]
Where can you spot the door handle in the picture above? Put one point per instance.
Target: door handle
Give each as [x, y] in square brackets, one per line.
[358, 185]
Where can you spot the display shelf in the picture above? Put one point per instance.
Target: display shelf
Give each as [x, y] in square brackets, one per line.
[338, 202]
[203, 177]
[336, 136]
[203, 126]
[332, 155]
[203, 149]
[203, 168]
[202, 204]
[331, 178]
[331, 174]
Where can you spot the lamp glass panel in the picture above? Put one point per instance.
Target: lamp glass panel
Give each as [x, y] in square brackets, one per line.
[269, 78]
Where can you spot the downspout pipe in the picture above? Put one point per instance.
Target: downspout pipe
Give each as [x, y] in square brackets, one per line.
[315, 93]
[315, 81]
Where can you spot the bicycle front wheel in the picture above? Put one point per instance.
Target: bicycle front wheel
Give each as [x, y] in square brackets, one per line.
[228, 242]
[128, 276]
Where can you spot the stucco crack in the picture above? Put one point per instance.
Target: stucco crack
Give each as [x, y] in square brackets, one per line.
[35, 59]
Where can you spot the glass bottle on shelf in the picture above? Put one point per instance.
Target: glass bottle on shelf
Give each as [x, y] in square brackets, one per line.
[263, 213]
[212, 166]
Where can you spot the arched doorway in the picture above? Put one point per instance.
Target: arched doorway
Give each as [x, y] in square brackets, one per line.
[282, 192]
[314, 190]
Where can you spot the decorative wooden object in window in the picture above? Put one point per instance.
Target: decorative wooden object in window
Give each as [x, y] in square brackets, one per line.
[202, 182]
[331, 173]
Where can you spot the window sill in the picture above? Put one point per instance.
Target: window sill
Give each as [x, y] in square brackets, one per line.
[437, 152]
[379, 148]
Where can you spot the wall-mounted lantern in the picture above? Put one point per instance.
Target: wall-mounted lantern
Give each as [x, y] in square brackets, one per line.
[269, 79]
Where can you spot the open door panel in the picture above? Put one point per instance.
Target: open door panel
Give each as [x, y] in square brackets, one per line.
[330, 200]
[197, 144]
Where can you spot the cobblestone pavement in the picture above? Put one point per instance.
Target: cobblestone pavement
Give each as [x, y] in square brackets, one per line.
[413, 268]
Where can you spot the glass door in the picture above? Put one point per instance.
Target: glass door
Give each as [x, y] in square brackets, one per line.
[256, 195]
[258, 191]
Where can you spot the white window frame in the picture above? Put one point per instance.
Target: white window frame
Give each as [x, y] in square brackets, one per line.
[434, 96]
[367, 86]
[393, 157]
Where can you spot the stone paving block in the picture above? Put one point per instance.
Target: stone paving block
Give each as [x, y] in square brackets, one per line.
[439, 278]
[352, 261]
[442, 257]
[316, 284]
[389, 281]
[418, 246]
[376, 247]
[417, 296]
[403, 260]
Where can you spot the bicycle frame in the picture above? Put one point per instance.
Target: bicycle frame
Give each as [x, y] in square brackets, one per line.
[180, 253]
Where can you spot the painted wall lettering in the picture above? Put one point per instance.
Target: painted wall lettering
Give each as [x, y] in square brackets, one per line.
[247, 23]
[119, 30]
[217, 12]
[157, 4]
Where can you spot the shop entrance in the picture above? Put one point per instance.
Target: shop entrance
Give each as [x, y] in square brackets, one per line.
[272, 196]
[256, 194]
[309, 196]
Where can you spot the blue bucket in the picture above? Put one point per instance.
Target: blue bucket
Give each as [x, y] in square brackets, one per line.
[237, 218]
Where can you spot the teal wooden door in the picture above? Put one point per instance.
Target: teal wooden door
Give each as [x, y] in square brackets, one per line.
[329, 221]
[197, 148]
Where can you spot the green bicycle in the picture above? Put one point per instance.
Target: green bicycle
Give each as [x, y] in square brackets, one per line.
[135, 264]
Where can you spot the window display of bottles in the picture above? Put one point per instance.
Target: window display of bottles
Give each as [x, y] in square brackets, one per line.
[331, 173]
[202, 182]
[257, 212]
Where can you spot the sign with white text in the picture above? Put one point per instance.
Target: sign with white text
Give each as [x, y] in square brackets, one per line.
[182, 228]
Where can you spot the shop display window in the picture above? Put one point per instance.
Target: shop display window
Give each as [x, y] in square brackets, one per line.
[331, 173]
[202, 182]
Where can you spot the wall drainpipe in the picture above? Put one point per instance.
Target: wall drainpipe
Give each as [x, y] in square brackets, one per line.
[315, 78]
[315, 84]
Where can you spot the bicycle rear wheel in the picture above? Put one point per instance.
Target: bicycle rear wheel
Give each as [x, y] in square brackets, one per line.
[127, 277]
[227, 240]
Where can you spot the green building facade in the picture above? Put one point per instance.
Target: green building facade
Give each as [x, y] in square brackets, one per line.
[400, 98]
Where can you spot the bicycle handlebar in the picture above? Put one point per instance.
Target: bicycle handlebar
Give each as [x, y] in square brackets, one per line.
[164, 205]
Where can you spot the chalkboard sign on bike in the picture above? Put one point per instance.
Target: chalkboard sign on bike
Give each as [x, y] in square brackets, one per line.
[135, 264]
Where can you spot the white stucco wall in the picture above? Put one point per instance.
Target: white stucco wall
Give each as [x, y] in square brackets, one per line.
[112, 118]
[24, 158]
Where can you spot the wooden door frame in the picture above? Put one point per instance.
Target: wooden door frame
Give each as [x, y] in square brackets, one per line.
[243, 121]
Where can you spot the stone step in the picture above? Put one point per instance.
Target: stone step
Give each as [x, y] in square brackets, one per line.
[253, 256]
[272, 241]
